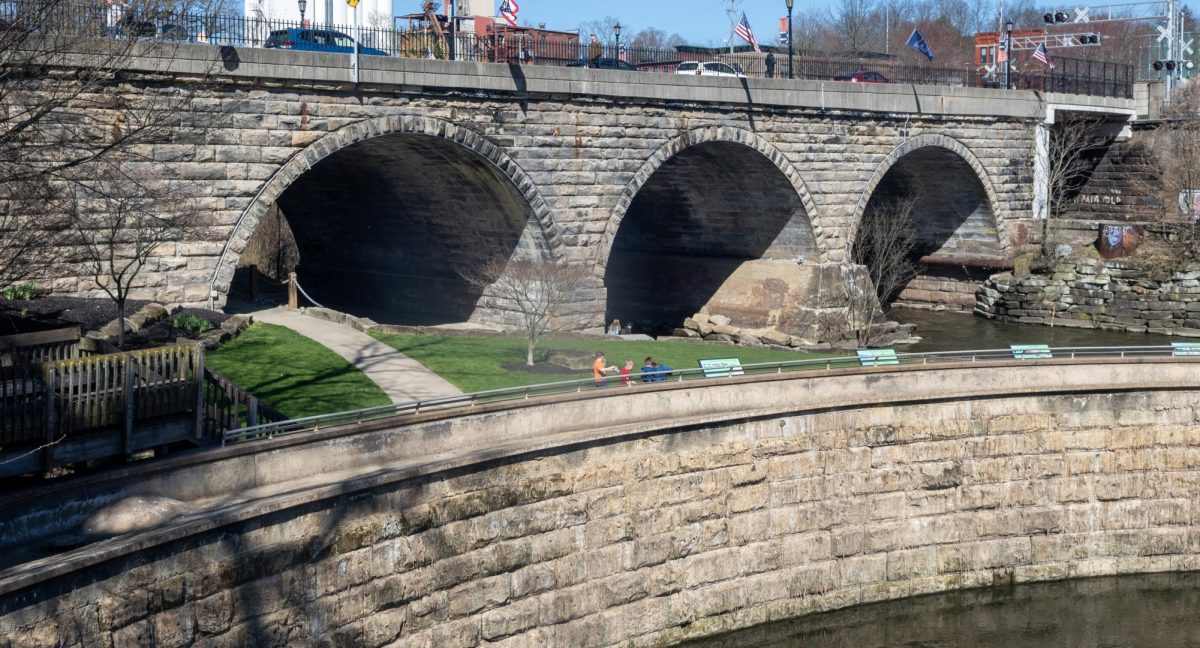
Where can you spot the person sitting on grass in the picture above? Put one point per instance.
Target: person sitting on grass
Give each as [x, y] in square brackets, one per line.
[648, 370]
[662, 371]
[599, 369]
[615, 327]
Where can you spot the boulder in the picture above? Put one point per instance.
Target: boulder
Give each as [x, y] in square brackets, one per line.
[691, 324]
[718, 320]
[236, 324]
[701, 318]
[776, 337]
[148, 314]
[725, 329]
[686, 333]
[706, 329]
[327, 314]
[112, 329]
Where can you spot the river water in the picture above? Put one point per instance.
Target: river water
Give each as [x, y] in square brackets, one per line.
[1155, 611]
[950, 331]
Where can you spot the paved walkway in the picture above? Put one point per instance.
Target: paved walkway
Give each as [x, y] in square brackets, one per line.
[400, 377]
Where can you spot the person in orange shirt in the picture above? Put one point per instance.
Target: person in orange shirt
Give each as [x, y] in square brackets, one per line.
[599, 369]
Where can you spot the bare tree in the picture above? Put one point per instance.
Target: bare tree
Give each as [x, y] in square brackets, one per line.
[272, 248]
[655, 39]
[119, 220]
[62, 112]
[1076, 144]
[537, 291]
[885, 246]
[856, 22]
[603, 29]
[1174, 173]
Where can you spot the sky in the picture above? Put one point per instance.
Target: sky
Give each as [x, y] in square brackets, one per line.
[699, 21]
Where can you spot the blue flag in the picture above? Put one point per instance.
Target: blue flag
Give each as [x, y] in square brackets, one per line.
[918, 43]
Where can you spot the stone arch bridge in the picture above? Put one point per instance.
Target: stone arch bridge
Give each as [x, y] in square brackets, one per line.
[666, 186]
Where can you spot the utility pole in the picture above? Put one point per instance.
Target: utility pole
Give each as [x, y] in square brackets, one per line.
[1173, 42]
[733, 16]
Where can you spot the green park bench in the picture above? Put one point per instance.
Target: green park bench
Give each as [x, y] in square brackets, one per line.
[877, 357]
[1185, 348]
[721, 367]
[1030, 351]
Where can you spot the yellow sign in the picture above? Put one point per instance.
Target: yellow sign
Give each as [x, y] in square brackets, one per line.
[353, 3]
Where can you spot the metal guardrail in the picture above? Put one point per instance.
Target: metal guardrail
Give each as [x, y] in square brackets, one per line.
[612, 386]
[148, 20]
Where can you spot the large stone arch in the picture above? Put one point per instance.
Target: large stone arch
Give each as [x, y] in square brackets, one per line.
[728, 134]
[927, 141]
[303, 160]
[957, 233]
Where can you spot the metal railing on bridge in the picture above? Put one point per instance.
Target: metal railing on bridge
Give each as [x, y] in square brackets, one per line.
[141, 19]
[614, 386]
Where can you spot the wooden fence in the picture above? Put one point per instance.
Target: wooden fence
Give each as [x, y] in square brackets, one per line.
[229, 407]
[42, 346]
[111, 405]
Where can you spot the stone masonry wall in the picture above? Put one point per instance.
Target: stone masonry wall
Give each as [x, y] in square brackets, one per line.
[1093, 294]
[573, 155]
[665, 537]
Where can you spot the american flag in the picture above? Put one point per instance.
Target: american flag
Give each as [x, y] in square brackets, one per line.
[745, 33]
[1042, 55]
[508, 11]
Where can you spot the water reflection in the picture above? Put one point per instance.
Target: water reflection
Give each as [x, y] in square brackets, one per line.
[949, 331]
[1157, 611]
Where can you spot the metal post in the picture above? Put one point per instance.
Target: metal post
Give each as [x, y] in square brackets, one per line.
[450, 14]
[791, 37]
[356, 35]
[1008, 53]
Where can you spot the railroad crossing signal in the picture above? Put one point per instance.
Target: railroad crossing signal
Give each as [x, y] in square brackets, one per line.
[1081, 14]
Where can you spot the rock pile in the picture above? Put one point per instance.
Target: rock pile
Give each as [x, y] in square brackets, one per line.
[1108, 295]
[719, 328]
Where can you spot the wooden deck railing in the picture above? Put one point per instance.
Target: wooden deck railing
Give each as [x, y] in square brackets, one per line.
[99, 406]
[229, 407]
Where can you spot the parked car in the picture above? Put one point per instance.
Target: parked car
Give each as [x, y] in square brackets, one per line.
[604, 64]
[861, 76]
[131, 26]
[710, 68]
[317, 40]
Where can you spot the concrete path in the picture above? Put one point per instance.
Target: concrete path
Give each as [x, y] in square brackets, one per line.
[400, 377]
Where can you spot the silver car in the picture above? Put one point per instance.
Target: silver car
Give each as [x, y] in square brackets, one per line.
[709, 68]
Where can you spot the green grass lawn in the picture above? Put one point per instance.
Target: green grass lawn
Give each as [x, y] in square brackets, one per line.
[476, 363]
[292, 373]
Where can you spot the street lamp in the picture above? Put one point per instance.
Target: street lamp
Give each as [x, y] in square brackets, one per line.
[303, 4]
[617, 31]
[1008, 53]
[789, 6]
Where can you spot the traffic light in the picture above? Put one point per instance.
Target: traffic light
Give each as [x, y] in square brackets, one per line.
[1088, 39]
[1171, 66]
[1055, 17]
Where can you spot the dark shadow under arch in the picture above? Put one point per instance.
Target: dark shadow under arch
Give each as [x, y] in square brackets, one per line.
[954, 228]
[702, 213]
[387, 228]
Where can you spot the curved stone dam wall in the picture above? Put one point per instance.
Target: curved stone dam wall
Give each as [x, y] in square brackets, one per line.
[639, 516]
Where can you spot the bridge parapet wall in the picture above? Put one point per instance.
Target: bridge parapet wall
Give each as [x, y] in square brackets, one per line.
[664, 533]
